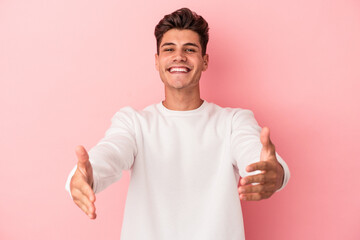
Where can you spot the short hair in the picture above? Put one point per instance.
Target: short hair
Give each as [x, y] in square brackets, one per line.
[183, 19]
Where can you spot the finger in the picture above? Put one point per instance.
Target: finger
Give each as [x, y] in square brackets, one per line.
[82, 155]
[92, 216]
[258, 178]
[88, 192]
[85, 204]
[81, 205]
[90, 211]
[261, 165]
[258, 188]
[264, 177]
[255, 196]
[251, 189]
[80, 196]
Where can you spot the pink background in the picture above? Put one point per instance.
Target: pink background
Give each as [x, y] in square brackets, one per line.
[67, 66]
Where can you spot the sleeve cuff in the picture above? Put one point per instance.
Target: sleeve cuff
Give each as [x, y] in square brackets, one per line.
[67, 184]
[286, 171]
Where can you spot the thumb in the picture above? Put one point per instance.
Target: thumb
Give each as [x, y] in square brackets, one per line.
[265, 137]
[82, 156]
[84, 165]
[268, 147]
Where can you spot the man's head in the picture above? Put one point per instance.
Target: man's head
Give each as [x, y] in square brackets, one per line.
[183, 19]
[181, 50]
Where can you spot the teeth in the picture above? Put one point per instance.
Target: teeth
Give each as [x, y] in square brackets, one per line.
[179, 70]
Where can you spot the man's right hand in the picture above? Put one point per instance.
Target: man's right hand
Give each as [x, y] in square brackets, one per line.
[81, 184]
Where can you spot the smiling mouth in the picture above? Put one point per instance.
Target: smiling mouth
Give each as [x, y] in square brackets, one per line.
[179, 70]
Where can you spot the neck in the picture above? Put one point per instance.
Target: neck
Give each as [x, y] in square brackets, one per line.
[182, 100]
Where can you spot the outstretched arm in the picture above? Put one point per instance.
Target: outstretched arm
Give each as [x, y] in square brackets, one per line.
[104, 163]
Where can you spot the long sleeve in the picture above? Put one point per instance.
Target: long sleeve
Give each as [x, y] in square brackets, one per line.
[246, 145]
[114, 153]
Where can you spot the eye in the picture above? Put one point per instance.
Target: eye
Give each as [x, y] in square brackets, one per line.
[190, 50]
[168, 50]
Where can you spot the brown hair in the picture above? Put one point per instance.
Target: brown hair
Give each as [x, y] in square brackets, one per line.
[181, 19]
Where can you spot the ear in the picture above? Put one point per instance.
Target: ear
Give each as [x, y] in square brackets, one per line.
[157, 61]
[206, 62]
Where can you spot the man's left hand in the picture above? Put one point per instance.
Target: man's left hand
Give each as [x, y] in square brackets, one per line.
[264, 184]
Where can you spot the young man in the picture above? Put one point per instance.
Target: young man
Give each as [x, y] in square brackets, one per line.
[186, 155]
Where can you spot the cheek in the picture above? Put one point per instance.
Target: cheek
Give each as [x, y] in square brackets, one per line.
[163, 64]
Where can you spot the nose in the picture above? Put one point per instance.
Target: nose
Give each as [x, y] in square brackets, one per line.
[179, 56]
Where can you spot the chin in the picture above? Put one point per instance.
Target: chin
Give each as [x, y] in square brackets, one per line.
[177, 83]
[178, 86]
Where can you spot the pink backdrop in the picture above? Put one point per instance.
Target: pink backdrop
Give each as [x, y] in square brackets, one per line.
[67, 66]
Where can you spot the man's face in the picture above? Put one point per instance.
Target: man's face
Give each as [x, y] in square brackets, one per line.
[180, 61]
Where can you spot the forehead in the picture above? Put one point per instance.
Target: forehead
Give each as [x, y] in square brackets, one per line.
[180, 37]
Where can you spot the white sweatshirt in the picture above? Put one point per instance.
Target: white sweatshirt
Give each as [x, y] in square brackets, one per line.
[185, 168]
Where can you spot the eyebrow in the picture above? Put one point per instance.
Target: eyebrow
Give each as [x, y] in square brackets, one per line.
[186, 44]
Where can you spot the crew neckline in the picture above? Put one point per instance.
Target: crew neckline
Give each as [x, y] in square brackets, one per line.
[165, 110]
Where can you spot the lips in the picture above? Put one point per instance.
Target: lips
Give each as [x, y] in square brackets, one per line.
[179, 69]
